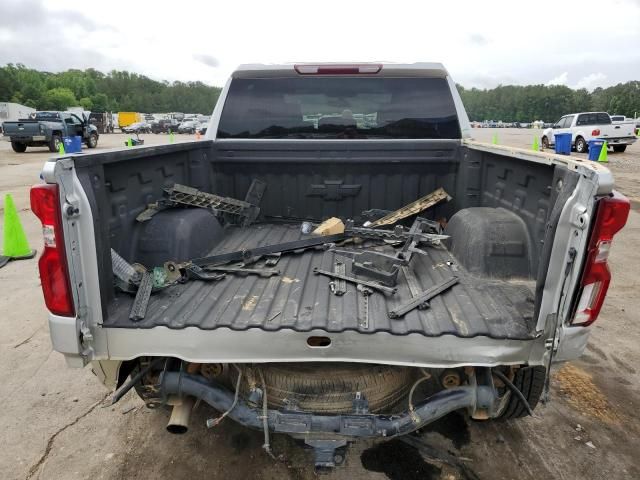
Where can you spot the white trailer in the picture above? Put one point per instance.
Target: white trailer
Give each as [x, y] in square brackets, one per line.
[11, 112]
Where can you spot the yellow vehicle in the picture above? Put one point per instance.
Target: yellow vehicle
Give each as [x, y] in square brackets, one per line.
[127, 118]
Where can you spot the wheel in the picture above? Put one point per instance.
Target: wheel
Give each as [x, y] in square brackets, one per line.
[19, 147]
[54, 143]
[530, 381]
[331, 387]
[581, 145]
[619, 148]
[92, 142]
[545, 142]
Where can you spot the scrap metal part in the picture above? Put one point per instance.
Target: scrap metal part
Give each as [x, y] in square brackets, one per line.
[243, 271]
[179, 194]
[185, 195]
[357, 281]
[418, 206]
[140, 303]
[242, 255]
[423, 299]
[338, 286]
[376, 265]
[399, 233]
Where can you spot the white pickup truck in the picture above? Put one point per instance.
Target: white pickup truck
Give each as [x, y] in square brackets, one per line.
[587, 126]
[288, 332]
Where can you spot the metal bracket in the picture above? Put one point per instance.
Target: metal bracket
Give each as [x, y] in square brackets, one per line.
[324, 452]
[357, 281]
[423, 298]
[339, 286]
[360, 404]
[376, 265]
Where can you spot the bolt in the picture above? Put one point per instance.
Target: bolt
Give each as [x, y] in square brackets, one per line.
[71, 210]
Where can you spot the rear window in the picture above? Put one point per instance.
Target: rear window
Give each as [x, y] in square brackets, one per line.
[593, 119]
[339, 107]
[46, 116]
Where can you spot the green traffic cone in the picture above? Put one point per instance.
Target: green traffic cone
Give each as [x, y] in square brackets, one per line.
[130, 142]
[495, 139]
[536, 145]
[170, 136]
[15, 245]
[61, 148]
[603, 154]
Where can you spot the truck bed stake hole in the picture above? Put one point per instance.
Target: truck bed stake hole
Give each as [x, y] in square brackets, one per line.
[319, 342]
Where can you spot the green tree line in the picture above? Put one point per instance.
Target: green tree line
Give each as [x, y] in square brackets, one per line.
[125, 91]
[513, 103]
[97, 91]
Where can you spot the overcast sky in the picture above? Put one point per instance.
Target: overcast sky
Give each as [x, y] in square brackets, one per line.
[581, 43]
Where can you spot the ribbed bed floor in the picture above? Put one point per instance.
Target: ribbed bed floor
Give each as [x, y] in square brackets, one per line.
[299, 300]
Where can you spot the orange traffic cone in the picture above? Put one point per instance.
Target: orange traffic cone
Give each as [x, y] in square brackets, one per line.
[197, 135]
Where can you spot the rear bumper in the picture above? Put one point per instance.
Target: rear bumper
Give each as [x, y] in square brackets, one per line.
[24, 138]
[620, 140]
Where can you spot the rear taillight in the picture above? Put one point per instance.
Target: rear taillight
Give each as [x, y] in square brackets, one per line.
[611, 216]
[54, 272]
[338, 69]
[595, 133]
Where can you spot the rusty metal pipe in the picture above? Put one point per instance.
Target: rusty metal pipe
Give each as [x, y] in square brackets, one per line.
[180, 415]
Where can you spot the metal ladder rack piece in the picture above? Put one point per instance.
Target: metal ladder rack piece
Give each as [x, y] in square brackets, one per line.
[193, 197]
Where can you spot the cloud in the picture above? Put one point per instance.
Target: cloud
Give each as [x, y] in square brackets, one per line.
[591, 81]
[561, 79]
[478, 39]
[31, 15]
[50, 40]
[208, 60]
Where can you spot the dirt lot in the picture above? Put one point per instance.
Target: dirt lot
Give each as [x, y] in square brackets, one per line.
[55, 424]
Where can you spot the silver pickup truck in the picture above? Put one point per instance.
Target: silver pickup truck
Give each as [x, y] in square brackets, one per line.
[450, 276]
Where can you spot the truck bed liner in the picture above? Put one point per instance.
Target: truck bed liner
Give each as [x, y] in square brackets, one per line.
[302, 301]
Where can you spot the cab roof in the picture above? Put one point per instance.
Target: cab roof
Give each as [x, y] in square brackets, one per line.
[384, 69]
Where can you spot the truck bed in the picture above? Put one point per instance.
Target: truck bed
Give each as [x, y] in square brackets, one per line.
[301, 301]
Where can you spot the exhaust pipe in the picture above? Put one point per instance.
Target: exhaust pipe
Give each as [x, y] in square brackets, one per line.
[180, 415]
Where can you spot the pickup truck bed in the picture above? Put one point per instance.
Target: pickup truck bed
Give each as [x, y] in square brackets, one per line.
[299, 300]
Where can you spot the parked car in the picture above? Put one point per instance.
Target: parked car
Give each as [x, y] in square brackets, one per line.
[188, 126]
[164, 126]
[298, 342]
[48, 129]
[138, 127]
[203, 128]
[587, 126]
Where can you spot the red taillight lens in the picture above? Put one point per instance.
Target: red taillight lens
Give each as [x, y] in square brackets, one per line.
[326, 69]
[610, 218]
[595, 133]
[54, 273]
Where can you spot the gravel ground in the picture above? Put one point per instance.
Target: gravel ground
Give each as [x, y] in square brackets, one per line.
[54, 423]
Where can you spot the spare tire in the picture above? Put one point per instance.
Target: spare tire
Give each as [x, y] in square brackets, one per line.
[330, 388]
